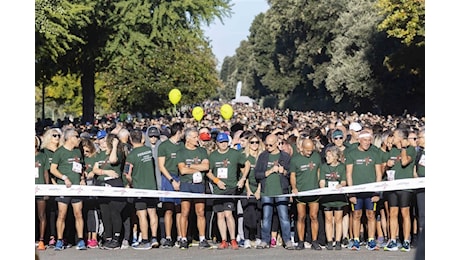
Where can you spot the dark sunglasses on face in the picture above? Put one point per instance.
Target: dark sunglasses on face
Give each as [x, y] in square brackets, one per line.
[338, 138]
[254, 142]
[57, 135]
[270, 145]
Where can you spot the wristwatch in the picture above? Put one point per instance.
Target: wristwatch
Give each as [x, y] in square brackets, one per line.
[171, 180]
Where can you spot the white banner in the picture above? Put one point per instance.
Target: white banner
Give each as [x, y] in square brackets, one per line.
[82, 190]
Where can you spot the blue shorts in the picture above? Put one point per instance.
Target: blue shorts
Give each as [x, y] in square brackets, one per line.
[364, 203]
[192, 187]
[167, 186]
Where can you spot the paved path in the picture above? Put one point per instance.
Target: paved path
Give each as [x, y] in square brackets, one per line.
[194, 252]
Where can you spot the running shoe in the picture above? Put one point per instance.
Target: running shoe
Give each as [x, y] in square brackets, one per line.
[371, 245]
[273, 242]
[315, 245]
[204, 244]
[112, 245]
[392, 246]
[41, 245]
[405, 246]
[234, 244]
[338, 245]
[247, 244]
[241, 243]
[155, 243]
[143, 246]
[300, 245]
[92, 243]
[52, 242]
[59, 245]
[81, 245]
[351, 242]
[124, 244]
[290, 246]
[356, 245]
[329, 245]
[183, 244]
[223, 245]
[168, 243]
[263, 245]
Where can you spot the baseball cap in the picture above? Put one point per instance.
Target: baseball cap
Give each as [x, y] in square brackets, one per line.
[222, 137]
[205, 136]
[337, 133]
[153, 131]
[101, 134]
[355, 126]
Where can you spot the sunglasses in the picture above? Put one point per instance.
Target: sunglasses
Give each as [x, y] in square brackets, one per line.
[57, 135]
[338, 138]
[254, 142]
[270, 145]
[281, 143]
[86, 151]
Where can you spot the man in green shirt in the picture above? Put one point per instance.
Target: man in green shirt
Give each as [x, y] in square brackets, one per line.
[67, 166]
[140, 173]
[224, 164]
[363, 165]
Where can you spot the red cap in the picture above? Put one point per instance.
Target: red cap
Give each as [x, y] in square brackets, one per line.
[205, 136]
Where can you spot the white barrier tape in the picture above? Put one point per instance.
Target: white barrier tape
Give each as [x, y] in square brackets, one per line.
[402, 184]
[101, 191]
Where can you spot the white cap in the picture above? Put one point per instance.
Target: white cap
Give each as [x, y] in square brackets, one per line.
[355, 126]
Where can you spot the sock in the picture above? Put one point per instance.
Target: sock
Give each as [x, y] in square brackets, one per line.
[201, 238]
[356, 239]
[370, 239]
[168, 237]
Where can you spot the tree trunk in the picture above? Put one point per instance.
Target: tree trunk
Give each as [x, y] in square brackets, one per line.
[88, 92]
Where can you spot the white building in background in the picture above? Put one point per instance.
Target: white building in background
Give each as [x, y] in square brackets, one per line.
[241, 99]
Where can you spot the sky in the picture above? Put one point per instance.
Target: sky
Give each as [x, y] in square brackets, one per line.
[225, 38]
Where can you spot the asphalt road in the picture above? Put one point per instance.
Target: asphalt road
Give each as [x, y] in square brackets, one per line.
[195, 253]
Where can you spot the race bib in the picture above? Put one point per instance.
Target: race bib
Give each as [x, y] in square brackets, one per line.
[422, 160]
[77, 167]
[332, 184]
[391, 175]
[222, 173]
[197, 177]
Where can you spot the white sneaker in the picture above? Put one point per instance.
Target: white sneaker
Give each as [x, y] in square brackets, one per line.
[247, 243]
[258, 241]
[124, 244]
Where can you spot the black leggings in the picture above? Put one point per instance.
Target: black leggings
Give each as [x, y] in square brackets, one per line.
[111, 216]
[252, 214]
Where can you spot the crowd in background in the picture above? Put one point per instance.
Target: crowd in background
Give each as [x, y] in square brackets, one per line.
[104, 149]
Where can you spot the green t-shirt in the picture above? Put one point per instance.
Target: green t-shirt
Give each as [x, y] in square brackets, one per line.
[400, 171]
[251, 175]
[69, 163]
[272, 181]
[226, 167]
[169, 150]
[189, 157]
[104, 164]
[364, 163]
[333, 175]
[140, 161]
[306, 171]
[41, 161]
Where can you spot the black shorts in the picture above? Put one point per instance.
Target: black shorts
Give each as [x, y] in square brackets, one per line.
[221, 205]
[308, 199]
[400, 198]
[68, 200]
[145, 203]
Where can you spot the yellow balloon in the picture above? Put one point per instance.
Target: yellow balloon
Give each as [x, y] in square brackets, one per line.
[174, 96]
[226, 111]
[197, 113]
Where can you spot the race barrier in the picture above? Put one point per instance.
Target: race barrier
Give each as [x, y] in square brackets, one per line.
[101, 191]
